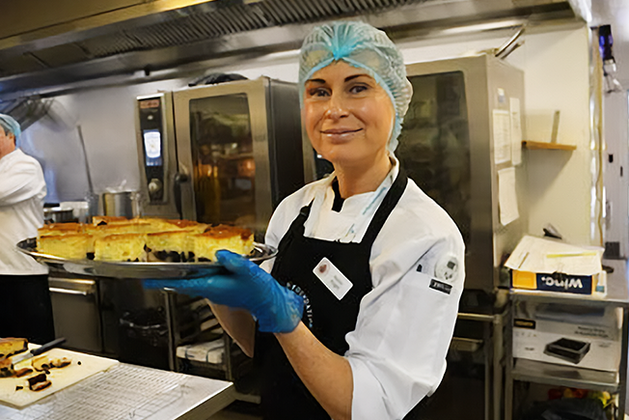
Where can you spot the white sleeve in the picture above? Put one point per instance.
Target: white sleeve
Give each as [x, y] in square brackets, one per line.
[398, 349]
[22, 182]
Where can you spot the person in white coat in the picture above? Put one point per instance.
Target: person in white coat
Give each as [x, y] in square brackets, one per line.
[25, 306]
[355, 318]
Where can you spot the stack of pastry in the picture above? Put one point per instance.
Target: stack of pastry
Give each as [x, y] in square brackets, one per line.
[142, 239]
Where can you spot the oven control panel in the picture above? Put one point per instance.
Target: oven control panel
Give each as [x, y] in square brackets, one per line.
[152, 132]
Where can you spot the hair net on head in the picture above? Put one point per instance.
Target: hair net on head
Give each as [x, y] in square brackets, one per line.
[363, 46]
[11, 126]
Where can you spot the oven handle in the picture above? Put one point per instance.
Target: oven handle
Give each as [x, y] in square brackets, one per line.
[70, 291]
[179, 178]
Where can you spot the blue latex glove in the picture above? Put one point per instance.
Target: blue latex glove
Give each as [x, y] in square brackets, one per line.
[244, 285]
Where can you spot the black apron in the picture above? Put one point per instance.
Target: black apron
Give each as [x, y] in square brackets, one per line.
[283, 395]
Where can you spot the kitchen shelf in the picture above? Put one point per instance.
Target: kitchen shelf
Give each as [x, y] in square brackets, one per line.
[560, 375]
[540, 145]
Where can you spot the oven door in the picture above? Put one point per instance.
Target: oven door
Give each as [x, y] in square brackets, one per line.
[76, 314]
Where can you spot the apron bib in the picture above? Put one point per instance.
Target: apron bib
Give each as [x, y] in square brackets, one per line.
[283, 395]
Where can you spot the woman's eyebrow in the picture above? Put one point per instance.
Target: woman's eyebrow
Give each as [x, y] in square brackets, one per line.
[320, 81]
[348, 78]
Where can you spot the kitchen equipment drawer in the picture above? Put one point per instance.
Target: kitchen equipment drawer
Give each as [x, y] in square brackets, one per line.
[76, 312]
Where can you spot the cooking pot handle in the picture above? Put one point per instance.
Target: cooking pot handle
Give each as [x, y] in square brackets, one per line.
[179, 179]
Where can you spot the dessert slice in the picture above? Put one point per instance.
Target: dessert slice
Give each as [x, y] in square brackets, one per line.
[73, 246]
[231, 238]
[169, 246]
[106, 220]
[10, 346]
[124, 247]
[59, 229]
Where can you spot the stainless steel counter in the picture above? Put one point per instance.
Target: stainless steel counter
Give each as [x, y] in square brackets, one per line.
[131, 392]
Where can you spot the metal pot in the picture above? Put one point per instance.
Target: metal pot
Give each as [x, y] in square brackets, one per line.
[122, 203]
[58, 215]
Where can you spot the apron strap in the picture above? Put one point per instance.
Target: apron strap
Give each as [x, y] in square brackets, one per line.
[296, 229]
[386, 207]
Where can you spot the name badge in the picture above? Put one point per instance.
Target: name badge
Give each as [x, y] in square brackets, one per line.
[332, 278]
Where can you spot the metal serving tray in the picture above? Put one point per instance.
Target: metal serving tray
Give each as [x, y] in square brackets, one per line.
[137, 270]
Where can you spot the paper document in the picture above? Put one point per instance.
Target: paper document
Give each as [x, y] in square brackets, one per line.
[540, 255]
[516, 131]
[507, 196]
[502, 136]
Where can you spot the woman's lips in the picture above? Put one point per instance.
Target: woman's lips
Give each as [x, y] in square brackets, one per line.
[340, 130]
[340, 134]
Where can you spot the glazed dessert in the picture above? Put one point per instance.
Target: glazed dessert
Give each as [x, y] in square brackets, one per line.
[235, 239]
[38, 382]
[106, 220]
[169, 246]
[58, 229]
[10, 346]
[125, 247]
[6, 368]
[142, 239]
[73, 246]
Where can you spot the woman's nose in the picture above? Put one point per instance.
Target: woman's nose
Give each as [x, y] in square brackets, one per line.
[336, 107]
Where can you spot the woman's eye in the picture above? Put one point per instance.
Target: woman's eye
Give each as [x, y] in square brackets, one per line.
[317, 92]
[358, 88]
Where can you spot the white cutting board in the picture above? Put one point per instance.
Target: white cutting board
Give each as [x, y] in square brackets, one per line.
[60, 378]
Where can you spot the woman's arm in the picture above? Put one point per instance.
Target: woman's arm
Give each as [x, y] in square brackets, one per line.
[327, 375]
[238, 323]
[22, 182]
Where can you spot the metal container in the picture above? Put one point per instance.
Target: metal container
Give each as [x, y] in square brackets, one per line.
[122, 203]
[58, 215]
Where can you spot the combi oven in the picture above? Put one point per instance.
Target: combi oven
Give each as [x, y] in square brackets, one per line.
[225, 153]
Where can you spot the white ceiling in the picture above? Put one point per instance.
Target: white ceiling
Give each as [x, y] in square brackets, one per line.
[616, 14]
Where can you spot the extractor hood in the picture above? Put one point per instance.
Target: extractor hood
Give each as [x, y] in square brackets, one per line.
[66, 42]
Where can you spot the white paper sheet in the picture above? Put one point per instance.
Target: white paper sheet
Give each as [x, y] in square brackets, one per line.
[502, 136]
[516, 131]
[507, 196]
[540, 255]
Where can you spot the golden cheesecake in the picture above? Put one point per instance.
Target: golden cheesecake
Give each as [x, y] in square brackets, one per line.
[123, 247]
[72, 246]
[235, 239]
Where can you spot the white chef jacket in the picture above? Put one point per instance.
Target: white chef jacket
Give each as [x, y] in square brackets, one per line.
[22, 189]
[397, 351]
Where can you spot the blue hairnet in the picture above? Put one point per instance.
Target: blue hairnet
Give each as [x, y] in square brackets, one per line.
[10, 126]
[363, 46]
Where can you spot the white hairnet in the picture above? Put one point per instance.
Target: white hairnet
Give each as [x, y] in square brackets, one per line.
[10, 126]
[363, 46]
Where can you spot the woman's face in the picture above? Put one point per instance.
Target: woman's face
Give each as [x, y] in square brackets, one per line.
[7, 142]
[348, 116]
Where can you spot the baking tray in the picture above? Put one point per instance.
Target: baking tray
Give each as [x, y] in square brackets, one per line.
[137, 270]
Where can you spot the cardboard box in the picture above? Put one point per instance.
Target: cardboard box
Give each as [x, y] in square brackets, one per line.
[594, 284]
[551, 265]
[573, 335]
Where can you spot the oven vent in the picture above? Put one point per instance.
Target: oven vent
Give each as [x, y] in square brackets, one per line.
[221, 18]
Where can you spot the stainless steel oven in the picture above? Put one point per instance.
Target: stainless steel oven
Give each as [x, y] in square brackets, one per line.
[455, 142]
[226, 153]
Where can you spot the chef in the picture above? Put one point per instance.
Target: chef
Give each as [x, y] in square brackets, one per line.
[25, 306]
[353, 318]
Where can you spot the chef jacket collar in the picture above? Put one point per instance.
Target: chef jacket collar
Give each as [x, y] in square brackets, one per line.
[356, 231]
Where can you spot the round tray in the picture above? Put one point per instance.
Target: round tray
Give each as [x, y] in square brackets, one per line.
[137, 270]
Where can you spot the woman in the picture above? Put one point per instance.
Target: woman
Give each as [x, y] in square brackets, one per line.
[355, 319]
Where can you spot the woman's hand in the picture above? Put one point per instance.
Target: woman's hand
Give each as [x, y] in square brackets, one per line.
[244, 285]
